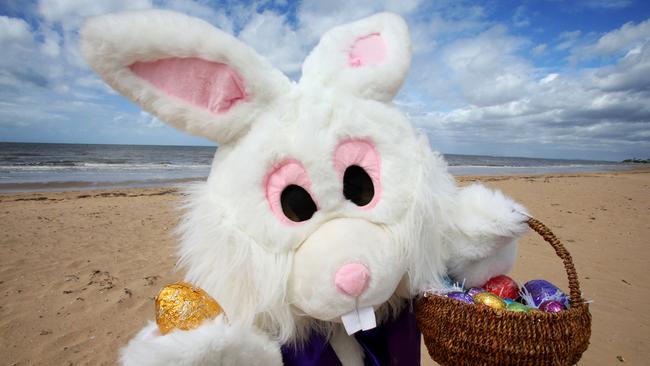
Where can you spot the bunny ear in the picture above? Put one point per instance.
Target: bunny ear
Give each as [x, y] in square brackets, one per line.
[368, 58]
[183, 70]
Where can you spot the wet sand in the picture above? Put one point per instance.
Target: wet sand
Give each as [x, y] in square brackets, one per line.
[79, 269]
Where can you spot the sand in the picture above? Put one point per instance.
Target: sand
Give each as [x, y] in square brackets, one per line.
[79, 270]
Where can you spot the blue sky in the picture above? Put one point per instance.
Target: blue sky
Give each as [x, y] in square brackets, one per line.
[545, 78]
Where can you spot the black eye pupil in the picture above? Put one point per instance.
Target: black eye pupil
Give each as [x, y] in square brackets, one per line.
[357, 185]
[297, 204]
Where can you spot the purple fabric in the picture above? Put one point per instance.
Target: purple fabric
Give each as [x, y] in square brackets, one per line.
[395, 343]
[316, 352]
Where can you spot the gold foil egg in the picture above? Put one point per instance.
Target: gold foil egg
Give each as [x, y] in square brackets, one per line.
[182, 306]
[489, 299]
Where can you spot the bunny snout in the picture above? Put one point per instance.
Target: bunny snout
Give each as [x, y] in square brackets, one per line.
[346, 264]
[352, 279]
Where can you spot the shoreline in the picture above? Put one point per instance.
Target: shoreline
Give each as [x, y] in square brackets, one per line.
[79, 269]
[64, 186]
[59, 186]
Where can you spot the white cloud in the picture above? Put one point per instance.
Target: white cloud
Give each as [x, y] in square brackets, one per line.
[549, 78]
[605, 4]
[567, 39]
[316, 17]
[13, 30]
[51, 43]
[18, 66]
[204, 12]
[520, 18]
[473, 83]
[631, 73]
[148, 121]
[71, 13]
[621, 40]
[486, 67]
[539, 49]
[503, 97]
[42, 71]
[271, 35]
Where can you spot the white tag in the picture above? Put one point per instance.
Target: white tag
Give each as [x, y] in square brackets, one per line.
[367, 318]
[351, 322]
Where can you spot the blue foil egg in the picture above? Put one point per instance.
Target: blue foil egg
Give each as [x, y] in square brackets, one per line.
[474, 290]
[460, 296]
[538, 291]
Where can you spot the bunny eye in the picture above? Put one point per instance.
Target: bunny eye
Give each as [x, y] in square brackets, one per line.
[357, 185]
[287, 188]
[297, 204]
[358, 164]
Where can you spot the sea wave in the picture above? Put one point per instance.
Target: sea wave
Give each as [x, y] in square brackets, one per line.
[49, 166]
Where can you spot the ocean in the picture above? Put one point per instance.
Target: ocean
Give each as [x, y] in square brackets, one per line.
[36, 166]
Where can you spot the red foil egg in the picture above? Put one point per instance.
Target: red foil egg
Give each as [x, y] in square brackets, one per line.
[502, 286]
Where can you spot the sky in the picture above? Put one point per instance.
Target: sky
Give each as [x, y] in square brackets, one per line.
[543, 78]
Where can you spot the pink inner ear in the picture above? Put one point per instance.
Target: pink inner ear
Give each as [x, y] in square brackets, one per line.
[367, 50]
[210, 85]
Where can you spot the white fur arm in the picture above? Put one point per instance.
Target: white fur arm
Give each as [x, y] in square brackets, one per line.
[482, 239]
[213, 343]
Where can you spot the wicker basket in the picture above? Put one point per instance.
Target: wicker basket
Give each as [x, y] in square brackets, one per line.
[456, 333]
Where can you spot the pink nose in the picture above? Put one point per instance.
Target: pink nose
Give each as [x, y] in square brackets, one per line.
[352, 279]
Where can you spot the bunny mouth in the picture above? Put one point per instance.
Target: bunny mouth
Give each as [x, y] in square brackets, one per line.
[359, 319]
[344, 271]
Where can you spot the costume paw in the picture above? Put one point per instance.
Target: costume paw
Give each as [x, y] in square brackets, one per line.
[213, 343]
[482, 242]
[483, 212]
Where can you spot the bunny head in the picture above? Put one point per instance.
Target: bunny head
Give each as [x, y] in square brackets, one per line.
[322, 201]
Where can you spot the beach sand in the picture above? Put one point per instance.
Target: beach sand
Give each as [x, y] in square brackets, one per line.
[79, 270]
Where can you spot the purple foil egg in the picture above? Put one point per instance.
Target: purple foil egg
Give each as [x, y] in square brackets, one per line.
[542, 290]
[474, 290]
[460, 296]
[551, 306]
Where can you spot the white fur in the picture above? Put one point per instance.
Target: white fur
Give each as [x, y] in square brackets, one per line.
[273, 280]
[214, 343]
[111, 43]
[327, 65]
[485, 223]
[330, 246]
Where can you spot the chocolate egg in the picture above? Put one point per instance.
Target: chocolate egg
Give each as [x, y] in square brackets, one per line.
[182, 306]
[551, 306]
[489, 299]
[474, 290]
[538, 291]
[460, 296]
[517, 307]
[502, 286]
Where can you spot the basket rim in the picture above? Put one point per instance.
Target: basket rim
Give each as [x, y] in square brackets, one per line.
[503, 313]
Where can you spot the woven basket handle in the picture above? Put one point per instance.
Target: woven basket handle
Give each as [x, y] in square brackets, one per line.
[546, 233]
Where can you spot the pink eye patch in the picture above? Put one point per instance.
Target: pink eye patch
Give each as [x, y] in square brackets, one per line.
[288, 192]
[358, 164]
